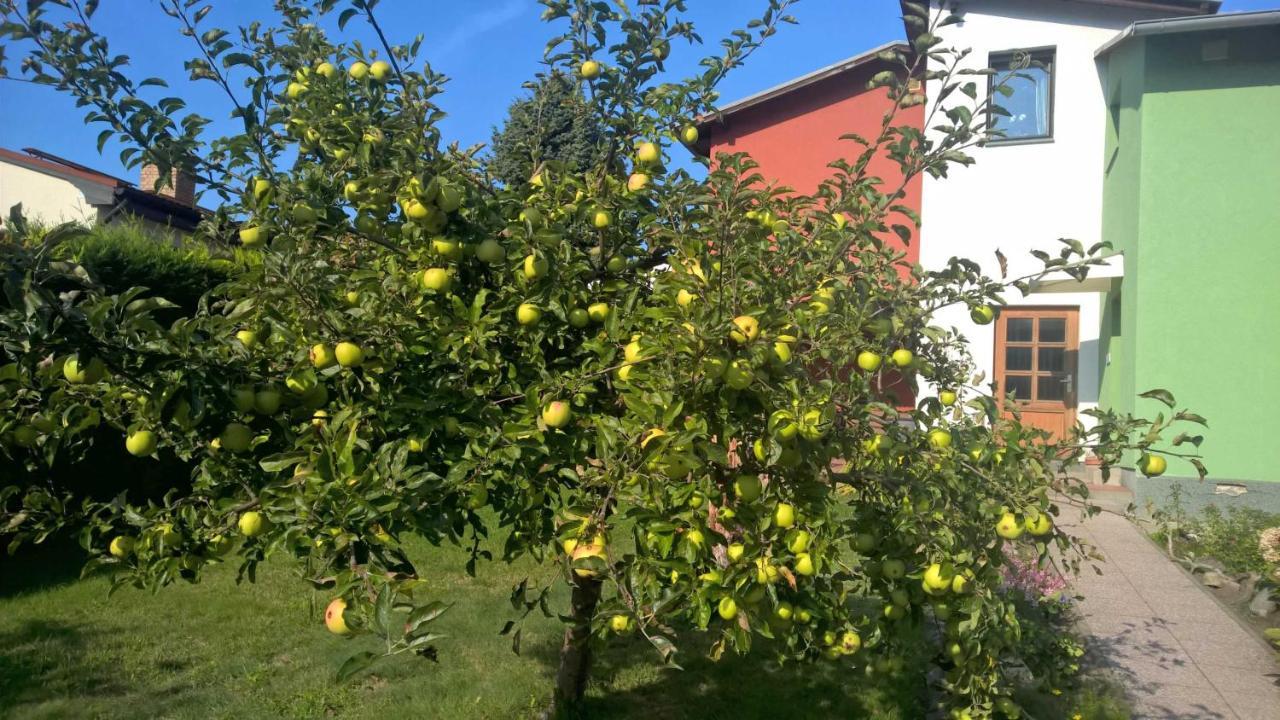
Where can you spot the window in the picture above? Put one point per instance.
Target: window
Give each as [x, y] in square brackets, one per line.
[1023, 109]
[1035, 366]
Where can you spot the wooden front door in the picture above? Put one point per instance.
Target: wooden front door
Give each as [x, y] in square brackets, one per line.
[1037, 350]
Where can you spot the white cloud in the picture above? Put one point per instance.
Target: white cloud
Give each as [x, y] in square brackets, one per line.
[474, 26]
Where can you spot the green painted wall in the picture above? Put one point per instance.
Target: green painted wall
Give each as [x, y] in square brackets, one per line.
[1200, 227]
[1120, 221]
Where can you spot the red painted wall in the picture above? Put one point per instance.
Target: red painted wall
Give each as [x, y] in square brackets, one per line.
[794, 136]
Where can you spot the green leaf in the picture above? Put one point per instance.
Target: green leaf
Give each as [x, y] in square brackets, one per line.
[1163, 396]
[357, 663]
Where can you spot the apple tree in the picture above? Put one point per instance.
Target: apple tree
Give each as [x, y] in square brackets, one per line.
[676, 389]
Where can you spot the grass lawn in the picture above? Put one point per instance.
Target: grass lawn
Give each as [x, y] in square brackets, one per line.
[216, 650]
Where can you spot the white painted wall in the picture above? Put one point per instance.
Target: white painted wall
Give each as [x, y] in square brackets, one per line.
[1016, 198]
[49, 198]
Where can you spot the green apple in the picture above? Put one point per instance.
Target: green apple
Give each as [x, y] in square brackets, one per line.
[864, 542]
[242, 398]
[1040, 525]
[78, 372]
[1009, 528]
[869, 361]
[326, 70]
[601, 219]
[449, 199]
[728, 608]
[579, 318]
[598, 312]
[253, 236]
[637, 182]
[738, 375]
[141, 443]
[689, 135]
[745, 329]
[534, 267]
[446, 248]
[1152, 465]
[647, 153]
[322, 356]
[247, 338]
[380, 70]
[947, 397]
[982, 314]
[491, 251]
[804, 564]
[236, 437]
[695, 538]
[620, 624]
[556, 414]
[589, 70]
[262, 187]
[349, 354]
[684, 297]
[784, 516]
[893, 569]
[436, 280]
[797, 541]
[938, 577]
[939, 439]
[528, 314]
[266, 401]
[358, 70]
[121, 546]
[334, 618]
[902, 357]
[295, 90]
[747, 488]
[252, 524]
[734, 552]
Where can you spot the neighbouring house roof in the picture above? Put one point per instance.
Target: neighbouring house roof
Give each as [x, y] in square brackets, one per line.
[838, 68]
[125, 196]
[1191, 24]
[1197, 7]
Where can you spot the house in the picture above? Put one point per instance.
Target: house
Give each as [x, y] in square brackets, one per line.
[53, 190]
[1191, 197]
[1142, 123]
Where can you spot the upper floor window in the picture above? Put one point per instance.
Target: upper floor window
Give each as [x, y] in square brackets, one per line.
[1024, 108]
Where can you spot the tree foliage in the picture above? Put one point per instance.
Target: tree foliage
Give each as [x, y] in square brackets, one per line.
[554, 123]
[650, 385]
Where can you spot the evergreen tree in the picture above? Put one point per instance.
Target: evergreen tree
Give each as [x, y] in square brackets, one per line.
[553, 123]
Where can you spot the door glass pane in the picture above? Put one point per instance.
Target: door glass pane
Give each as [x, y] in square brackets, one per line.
[1051, 387]
[1018, 330]
[1053, 330]
[1019, 385]
[1017, 358]
[1053, 359]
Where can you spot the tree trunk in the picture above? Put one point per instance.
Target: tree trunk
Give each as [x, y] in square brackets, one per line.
[575, 653]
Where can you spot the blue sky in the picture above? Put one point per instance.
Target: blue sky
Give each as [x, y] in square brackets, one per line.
[487, 48]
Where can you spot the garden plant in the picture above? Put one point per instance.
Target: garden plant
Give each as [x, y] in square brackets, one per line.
[674, 389]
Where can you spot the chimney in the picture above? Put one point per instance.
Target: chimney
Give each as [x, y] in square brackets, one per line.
[181, 186]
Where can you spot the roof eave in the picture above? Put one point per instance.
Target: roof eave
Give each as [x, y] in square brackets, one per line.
[1146, 28]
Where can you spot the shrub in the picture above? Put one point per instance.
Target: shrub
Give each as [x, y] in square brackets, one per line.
[1231, 537]
[125, 255]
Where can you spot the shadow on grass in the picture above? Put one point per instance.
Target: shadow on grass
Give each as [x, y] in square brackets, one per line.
[54, 563]
[49, 664]
[628, 681]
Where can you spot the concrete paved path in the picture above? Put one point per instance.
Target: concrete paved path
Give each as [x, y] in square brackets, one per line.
[1179, 654]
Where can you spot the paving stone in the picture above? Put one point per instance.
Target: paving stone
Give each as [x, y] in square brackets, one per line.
[1177, 652]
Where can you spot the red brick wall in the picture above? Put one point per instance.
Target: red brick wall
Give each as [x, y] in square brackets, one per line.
[181, 186]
